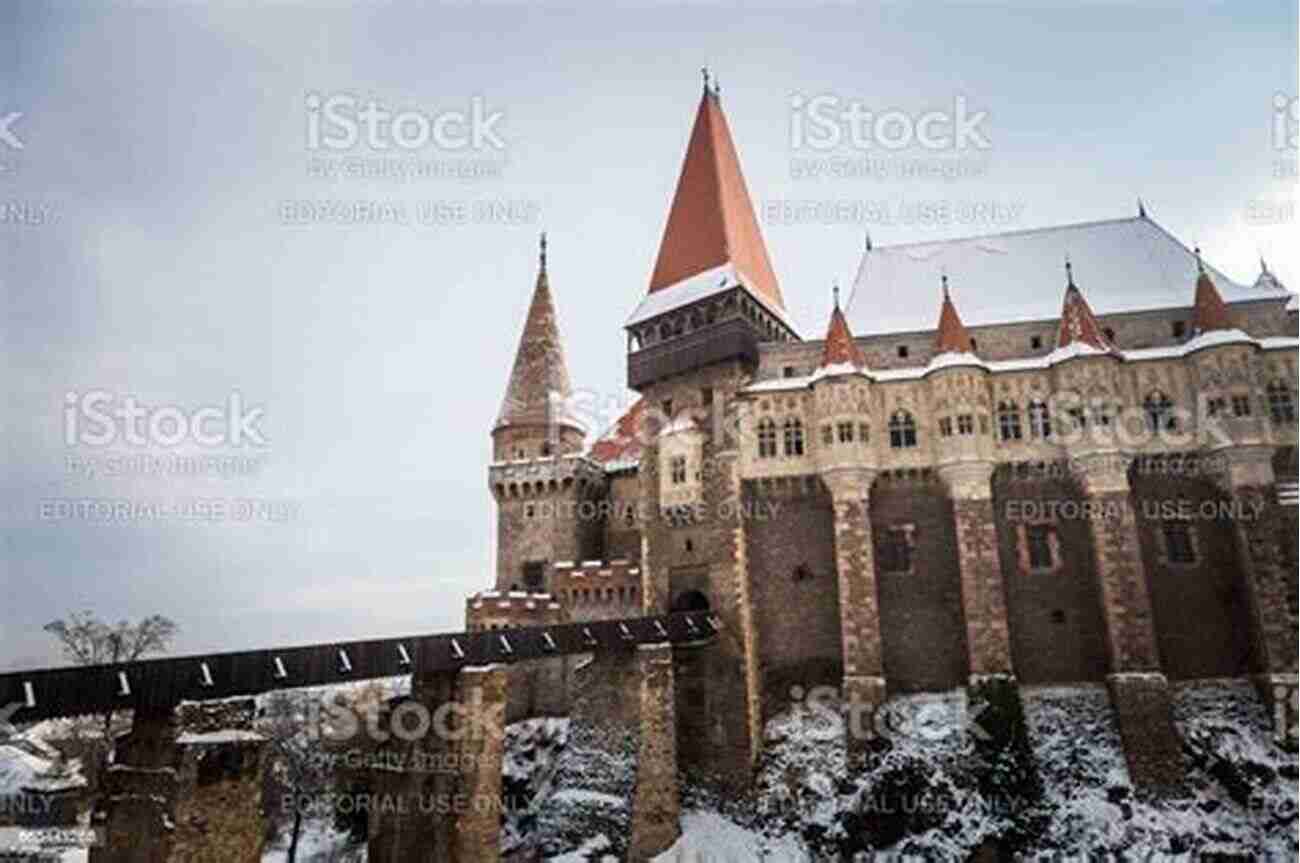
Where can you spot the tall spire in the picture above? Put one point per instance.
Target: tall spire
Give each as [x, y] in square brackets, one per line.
[539, 382]
[1078, 323]
[840, 349]
[1209, 312]
[952, 336]
[712, 222]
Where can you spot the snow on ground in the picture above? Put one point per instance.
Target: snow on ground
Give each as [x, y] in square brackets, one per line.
[319, 843]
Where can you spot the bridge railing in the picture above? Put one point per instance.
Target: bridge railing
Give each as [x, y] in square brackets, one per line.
[80, 690]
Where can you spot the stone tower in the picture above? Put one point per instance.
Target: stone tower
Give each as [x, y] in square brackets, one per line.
[542, 484]
[693, 342]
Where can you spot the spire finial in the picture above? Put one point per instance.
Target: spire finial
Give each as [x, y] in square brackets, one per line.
[704, 70]
[1263, 266]
[944, 279]
[1069, 273]
[868, 240]
[1200, 265]
[835, 292]
[541, 255]
[1142, 209]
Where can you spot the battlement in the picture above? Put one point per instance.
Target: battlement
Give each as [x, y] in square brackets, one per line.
[596, 589]
[491, 609]
[537, 476]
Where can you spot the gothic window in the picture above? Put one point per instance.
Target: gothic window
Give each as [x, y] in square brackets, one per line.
[945, 426]
[766, 439]
[1040, 546]
[864, 433]
[677, 467]
[1009, 421]
[665, 331]
[1281, 406]
[793, 436]
[1102, 414]
[902, 430]
[1215, 406]
[828, 435]
[1078, 418]
[1040, 422]
[965, 424]
[845, 432]
[1241, 405]
[696, 322]
[533, 570]
[1179, 546]
[896, 549]
[1160, 412]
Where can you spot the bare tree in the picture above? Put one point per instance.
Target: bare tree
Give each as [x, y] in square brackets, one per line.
[87, 640]
[299, 767]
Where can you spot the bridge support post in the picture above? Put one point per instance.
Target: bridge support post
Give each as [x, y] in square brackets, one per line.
[656, 808]
[185, 786]
[437, 798]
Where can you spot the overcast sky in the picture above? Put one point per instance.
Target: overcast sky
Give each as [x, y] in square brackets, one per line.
[147, 250]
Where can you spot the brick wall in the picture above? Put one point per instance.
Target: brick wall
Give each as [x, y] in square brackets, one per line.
[796, 597]
[1202, 626]
[1057, 633]
[921, 621]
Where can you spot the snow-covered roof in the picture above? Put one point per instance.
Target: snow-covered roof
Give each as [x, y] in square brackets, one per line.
[1122, 265]
[698, 287]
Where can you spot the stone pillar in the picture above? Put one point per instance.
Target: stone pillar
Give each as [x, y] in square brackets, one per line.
[185, 786]
[656, 807]
[983, 598]
[1138, 688]
[1246, 475]
[481, 693]
[137, 807]
[863, 688]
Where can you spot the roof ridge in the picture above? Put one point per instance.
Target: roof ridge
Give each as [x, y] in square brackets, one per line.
[1017, 233]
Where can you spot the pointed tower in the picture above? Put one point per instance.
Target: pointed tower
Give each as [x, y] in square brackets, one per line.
[840, 352]
[1078, 324]
[538, 475]
[1209, 312]
[534, 419]
[951, 336]
[712, 295]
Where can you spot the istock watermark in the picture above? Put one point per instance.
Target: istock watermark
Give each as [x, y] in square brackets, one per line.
[335, 719]
[925, 720]
[828, 122]
[1284, 135]
[100, 418]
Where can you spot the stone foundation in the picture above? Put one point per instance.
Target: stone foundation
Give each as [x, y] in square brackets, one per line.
[656, 807]
[1152, 749]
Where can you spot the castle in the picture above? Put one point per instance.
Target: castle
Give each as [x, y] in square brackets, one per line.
[1047, 456]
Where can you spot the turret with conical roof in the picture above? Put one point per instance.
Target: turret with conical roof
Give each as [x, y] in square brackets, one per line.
[839, 351]
[534, 419]
[1079, 327]
[713, 294]
[1209, 312]
[951, 336]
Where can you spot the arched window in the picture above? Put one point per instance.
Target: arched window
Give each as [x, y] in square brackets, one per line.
[1281, 405]
[793, 435]
[766, 438]
[1040, 422]
[1009, 421]
[1160, 412]
[902, 430]
[665, 331]
[696, 322]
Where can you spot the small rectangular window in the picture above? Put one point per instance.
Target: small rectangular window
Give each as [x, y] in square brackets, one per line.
[1179, 328]
[845, 432]
[533, 574]
[1179, 547]
[1040, 542]
[787, 372]
[864, 433]
[678, 468]
[1241, 406]
[965, 424]
[1215, 406]
[706, 397]
[902, 352]
[945, 426]
[896, 549]
[828, 435]
[668, 408]
[1035, 342]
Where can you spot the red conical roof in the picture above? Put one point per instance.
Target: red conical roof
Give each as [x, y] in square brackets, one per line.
[951, 336]
[712, 219]
[1078, 324]
[840, 349]
[1209, 311]
[539, 381]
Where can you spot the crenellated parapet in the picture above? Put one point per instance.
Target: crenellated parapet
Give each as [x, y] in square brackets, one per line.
[541, 476]
[597, 590]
